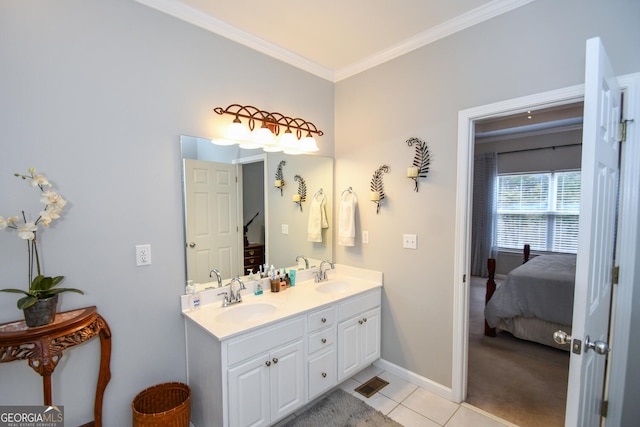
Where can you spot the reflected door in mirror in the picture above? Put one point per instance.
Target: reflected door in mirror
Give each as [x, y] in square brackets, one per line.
[213, 237]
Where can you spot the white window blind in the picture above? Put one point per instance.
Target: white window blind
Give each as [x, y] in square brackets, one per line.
[539, 209]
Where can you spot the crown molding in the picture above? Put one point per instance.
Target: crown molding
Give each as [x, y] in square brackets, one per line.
[459, 23]
[208, 22]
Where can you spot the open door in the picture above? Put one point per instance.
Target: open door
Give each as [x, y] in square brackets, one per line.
[213, 236]
[594, 264]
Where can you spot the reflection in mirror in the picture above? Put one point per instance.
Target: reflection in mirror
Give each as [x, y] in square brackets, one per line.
[235, 217]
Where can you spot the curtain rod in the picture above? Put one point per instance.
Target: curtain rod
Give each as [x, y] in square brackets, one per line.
[553, 147]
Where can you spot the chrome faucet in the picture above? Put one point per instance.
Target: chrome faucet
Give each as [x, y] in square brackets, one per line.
[233, 297]
[322, 274]
[306, 261]
[236, 297]
[217, 273]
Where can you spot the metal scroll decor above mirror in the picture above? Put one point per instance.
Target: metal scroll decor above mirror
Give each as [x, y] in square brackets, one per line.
[220, 212]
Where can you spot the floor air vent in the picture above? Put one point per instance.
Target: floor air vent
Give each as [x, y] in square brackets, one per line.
[372, 386]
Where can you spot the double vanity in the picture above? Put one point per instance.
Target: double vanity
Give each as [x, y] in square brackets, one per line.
[255, 362]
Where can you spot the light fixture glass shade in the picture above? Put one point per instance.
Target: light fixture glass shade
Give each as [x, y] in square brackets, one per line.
[237, 132]
[265, 139]
[289, 143]
[308, 144]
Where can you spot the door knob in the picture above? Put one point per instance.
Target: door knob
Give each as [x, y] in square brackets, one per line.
[192, 244]
[561, 337]
[599, 347]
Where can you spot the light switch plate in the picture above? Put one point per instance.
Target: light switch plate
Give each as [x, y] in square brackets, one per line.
[285, 228]
[410, 241]
[365, 236]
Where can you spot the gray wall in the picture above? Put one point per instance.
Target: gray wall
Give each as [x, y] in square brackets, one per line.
[95, 95]
[535, 48]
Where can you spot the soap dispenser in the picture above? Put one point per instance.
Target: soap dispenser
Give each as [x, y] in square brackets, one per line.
[194, 298]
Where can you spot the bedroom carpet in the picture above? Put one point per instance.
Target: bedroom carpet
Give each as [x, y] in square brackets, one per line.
[517, 380]
[340, 409]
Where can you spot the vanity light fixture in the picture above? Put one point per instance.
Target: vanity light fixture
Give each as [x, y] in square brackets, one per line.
[277, 132]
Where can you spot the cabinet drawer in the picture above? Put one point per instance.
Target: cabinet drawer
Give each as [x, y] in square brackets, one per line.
[253, 251]
[322, 339]
[358, 305]
[322, 318]
[247, 346]
[322, 373]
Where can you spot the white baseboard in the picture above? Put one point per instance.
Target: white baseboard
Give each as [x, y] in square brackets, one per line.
[416, 379]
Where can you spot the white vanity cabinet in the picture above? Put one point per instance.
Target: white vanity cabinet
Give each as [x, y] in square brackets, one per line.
[358, 333]
[260, 376]
[321, 351]
[266, 374]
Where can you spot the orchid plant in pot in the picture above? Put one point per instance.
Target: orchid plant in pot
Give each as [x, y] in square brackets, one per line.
[39, 302]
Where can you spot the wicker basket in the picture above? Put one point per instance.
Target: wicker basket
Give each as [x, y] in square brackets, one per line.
[163, 405]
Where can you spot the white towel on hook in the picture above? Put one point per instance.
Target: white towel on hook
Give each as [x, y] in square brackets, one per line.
[317, 218]
[347, 219]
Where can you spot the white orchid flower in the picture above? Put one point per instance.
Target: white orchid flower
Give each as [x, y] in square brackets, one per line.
[39, 180]
[5, 222]
[27, 231]
[51, 198]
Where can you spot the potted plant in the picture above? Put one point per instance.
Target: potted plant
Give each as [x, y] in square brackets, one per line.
[39, 302]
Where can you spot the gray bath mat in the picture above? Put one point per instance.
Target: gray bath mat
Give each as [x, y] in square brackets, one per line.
[340, 409]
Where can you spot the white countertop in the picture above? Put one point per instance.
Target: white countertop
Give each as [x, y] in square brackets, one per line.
[302, 297]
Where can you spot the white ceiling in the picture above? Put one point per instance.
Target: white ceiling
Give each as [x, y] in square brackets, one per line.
[334, 39]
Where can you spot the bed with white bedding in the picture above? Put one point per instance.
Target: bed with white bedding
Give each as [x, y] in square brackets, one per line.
[535, 300]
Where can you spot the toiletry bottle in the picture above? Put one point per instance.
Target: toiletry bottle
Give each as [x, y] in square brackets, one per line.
[194, 300]
[188, 290]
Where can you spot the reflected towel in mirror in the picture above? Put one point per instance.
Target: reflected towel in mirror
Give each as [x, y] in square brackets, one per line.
[317, 217]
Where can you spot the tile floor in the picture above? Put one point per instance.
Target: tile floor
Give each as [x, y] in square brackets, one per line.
[413, 406]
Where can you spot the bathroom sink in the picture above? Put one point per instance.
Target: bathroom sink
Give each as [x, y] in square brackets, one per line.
[333, 287]
[246, 312]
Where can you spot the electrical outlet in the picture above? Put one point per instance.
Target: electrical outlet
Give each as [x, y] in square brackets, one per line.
[410, 241]
[365, 236]
[143, 255]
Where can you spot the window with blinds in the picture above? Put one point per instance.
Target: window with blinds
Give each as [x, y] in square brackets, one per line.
[540, 209]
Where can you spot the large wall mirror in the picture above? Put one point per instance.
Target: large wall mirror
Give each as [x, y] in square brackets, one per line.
[237, 219]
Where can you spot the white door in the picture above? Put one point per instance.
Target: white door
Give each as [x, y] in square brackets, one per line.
[213, 235]
[592, 297]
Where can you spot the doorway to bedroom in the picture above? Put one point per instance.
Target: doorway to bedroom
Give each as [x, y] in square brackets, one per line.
[536, 153]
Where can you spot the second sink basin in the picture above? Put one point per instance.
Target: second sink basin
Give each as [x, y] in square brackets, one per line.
[246, 312]
[338, 286]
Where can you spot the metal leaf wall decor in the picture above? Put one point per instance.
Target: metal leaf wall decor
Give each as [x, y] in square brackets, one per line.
[421, 160]
[377, 186]
[280, 176]
[302, 190]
